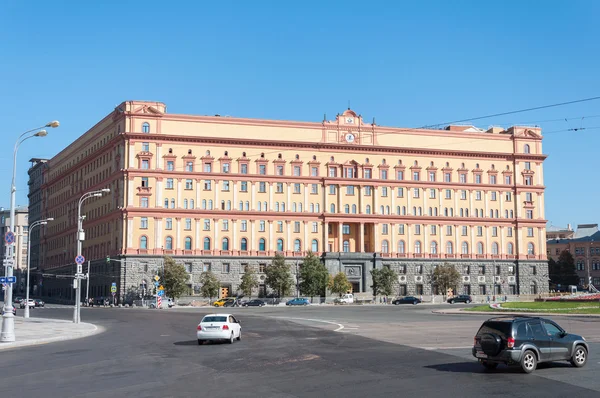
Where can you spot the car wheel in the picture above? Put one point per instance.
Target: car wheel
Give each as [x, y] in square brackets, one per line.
[468, 302]
[230, 341]
[200, 342]
[528, 361]
[216, 305]
[414, 303]
[239, 338]
[489, 365]
[579, 358]
[451, 301]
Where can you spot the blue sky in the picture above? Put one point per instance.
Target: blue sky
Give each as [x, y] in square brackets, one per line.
[406, 63]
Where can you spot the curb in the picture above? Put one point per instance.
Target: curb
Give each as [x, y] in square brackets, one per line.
[87, 333]
[491, 314]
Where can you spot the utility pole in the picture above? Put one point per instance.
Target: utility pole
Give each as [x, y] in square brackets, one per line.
[87, 285]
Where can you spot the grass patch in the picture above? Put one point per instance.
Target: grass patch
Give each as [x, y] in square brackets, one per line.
[539, 306]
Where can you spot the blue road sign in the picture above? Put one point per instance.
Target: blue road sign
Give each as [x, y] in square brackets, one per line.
[80, 259]
[11, 279]
[9, 237]
[161, 292]
[2, 279]
[156, 284]
[114, 284]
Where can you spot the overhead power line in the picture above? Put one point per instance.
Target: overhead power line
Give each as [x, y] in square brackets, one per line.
[513, 112]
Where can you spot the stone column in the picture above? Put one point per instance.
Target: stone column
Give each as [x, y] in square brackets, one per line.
[216, 245]
[340, 237]
[234, 244]
[158, 156]
[362, 237]
[340, 199]
[130, 192]
[270, 196]
[132, 158]
[392, 247]
[252, 234]
[377, 243]
[360, 199]
[159, 192]
[270, 245]
[288, 246]
[519, 205]
[178, 233]
[157, 233]
[129, 232]
[305, 226]
[325, 236]
[197, 234]
[178, 200]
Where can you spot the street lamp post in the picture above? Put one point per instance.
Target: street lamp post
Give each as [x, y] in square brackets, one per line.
[31, 227]
[80, 239]
[8, 320]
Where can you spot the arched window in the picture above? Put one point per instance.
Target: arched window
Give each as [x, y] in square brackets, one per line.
[261, 244]
[491, 213]
[241, 205]
[265, 205]
[347, 209]
[368, 209]
[143, 242]
[247, 206]
[430, 212]
[385, 248]
[494, 248]
[451, 212]
[259, 206]
[433, 248]
[279, 245]
[479, 248]
[188, 243]
[244, 244]
[146, 128]
[461, 213]
[435, 212]
[312, 207]
[397, 210]
[465, 248]
[420, 211]
[229, 205]
[332, 208]
[530, 248]
[297, 245]
[172, 203]
[401, 247]
[353, 209]
[300, 207]
[314, 246]
[403, 210]
[294, 207]
[282, 206]
[203, 204]
[191, 203]
[526, 149]
[210, 204]
[185, 203]
[169, 243]
[387, 209]
[533, 288]
[276, 206]
[381, 209]
[225, 244]
[445, 211]
[414, 213]
[509, 248]
[207, 243]
[505, 213]
[346, 246]
[418, 247]
[449, 248]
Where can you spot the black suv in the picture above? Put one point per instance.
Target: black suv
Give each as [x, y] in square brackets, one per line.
[461, 298]
[527, 341]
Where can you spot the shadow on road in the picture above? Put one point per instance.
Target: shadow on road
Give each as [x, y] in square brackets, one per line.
[475, 367]
[189, 342]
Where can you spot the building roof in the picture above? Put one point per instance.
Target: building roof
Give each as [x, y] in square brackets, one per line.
[584, 233]
[554, 228]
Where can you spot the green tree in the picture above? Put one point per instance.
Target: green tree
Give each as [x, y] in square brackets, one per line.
[313, 276]
[249, 282]
[339, 284]
[210, 285]
[278, 276]
[175, 278]
[383, 281]
[566, 266]
[445, 276]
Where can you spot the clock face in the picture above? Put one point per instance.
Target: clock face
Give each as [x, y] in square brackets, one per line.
[349, 120]
[349, 137]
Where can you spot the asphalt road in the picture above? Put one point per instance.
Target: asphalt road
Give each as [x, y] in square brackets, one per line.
[285, 352]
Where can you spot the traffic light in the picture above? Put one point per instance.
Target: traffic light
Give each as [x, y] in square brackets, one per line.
[107, 259]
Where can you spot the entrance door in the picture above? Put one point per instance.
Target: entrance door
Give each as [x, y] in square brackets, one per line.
[355, 287]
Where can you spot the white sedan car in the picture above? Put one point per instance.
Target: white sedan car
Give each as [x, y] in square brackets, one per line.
[219, 327]
[31, 303]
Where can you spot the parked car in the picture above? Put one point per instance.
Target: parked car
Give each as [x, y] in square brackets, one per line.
[347, 298]
[39, 303]
[224, 302]
[219, 327]
[254, 303]
[30, 303]
[18, 299]
[526, 341]
[461, 298]
[406, 300]
[298, 301]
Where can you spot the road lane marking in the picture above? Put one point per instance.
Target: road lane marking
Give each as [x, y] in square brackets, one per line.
[340, 326]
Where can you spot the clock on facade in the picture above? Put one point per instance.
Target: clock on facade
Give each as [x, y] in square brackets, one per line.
[349, 137]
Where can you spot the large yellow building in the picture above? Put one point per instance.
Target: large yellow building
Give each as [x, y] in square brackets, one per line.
[225, 193]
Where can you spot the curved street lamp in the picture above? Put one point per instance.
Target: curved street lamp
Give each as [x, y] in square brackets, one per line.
[8, 320]
[31, 227]
[80, 239]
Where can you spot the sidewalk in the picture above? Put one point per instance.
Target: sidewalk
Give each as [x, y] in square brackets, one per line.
[35, 331]
[491, 314]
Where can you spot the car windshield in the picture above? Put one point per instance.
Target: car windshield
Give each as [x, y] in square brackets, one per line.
[214, 319]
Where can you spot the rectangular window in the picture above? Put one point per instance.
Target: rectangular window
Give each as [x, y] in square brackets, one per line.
[225, 225]
[206, 267]
[225, 167]
[384, 174]
[350, 190]
[279, 187]
[447, 177]
[244, 226]
[261, 226]
[261, 268]
[463, 194]
[314, 188]
[189, 166]
[415, 176]
[529, 214]
[384, 229]
[226, 268]
[145, 164]
[262, 186]
[368, 173]
[279, 170]
[279, 226]
[449, 230]
[528, 197]
[368, 190]
[482, 270]
[507, 180]
[345, 229]
[448, 194]
[494, 195]
[169, 183]
[477, 195]
[333, 172]
[462, 178]
[188, 224]
[145, 147]
[207, 185]
[225, 187]
[384, 192]
[527, 165]
[509, 232]
[417, 229]
[432, 176]
[262, 169]
[207, 225]
[401, 229]
[297, 188]
[479, 231]
[400, 175]
[492, 179]
[508, 197]
[144, 223]
[465, 230]
[243, 168]
[207, 167]
[400, 191]
[494, 231]
[477, 178]
[144, 202]
[432, 194]
[169, 223]
[314, 171]
[188, 184]
[296, 226]
[145, 182]
[297, 171]
[529, 231]
[170, 165]
[332, 189]
[415, 192]
[315, 227]
[244, 186]
[433, 230]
